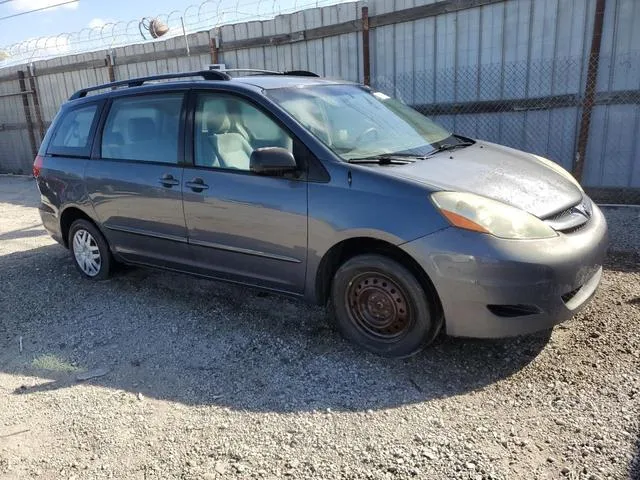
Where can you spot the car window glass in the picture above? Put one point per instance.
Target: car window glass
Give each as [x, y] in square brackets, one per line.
[143, 128]
[73, 132]
[228, 129]
[358, 123]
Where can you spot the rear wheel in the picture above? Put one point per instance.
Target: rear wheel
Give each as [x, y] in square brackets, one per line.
[380, 305]
[89, 250]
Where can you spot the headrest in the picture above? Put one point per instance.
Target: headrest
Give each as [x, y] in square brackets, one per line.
[217, 115]
[217, 123]
[307, 113]
[113, 138]
[141, 129]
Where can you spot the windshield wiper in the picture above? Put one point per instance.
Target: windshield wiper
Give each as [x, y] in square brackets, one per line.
[443, 147]
[387, 159]
[404, 157]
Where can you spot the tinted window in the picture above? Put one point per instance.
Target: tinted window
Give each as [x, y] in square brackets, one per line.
[228, 129]
[143, 128]
[72, 137]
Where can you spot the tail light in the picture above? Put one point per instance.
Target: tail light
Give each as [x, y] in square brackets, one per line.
[37, 166]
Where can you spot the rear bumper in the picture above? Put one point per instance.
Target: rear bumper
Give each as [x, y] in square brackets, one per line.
[492, 287]
[50, 222]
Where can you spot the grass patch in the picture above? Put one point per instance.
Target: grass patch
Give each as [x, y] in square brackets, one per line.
[52, 363]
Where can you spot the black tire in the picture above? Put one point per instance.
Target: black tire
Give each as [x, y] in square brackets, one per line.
[89, 246]
[381, 306]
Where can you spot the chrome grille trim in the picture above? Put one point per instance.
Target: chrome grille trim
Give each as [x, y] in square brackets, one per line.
[571, 219]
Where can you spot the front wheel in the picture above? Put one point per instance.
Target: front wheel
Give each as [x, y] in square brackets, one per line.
[380, 305]
[89, 250]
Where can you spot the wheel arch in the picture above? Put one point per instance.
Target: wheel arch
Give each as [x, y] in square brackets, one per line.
[349, 248]
[70, 215]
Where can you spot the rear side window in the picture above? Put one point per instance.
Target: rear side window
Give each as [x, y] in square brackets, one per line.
[73, 135]
[143, 128]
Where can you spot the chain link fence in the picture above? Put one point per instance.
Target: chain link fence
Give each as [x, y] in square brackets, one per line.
[586, 117]
[538, 107]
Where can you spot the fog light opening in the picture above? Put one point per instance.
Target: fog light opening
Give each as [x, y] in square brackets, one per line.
[511, 311]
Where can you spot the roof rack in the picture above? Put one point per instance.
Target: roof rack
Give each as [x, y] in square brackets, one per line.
[301, 73]
[206, 74]
[136, 82]
[251, 70]
[292, 73]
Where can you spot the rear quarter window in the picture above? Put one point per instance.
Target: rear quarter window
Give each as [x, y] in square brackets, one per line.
[73, 135]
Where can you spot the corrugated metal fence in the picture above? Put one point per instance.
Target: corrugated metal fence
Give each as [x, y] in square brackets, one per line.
[515, 72]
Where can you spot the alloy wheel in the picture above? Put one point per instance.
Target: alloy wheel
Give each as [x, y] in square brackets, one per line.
[87, 253]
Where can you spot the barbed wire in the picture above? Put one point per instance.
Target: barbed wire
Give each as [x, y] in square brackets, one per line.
[197, 17]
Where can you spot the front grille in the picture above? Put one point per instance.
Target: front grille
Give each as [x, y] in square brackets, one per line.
[572, 219]
[575, 229]
[566, 298]
[561, 215]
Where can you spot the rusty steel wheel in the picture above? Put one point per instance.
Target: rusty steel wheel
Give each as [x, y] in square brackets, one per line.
[378, 306]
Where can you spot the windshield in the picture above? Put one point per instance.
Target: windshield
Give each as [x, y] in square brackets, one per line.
[355, 122]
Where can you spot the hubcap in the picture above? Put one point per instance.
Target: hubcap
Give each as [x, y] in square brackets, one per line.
[378, 306]
[87, 253]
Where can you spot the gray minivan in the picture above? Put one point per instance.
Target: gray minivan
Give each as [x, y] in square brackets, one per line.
[323, 190]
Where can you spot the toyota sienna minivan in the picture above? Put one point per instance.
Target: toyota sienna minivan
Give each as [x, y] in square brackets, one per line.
[323, 190]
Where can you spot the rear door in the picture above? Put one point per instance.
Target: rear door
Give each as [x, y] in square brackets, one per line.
[242, 226]
[134, 178]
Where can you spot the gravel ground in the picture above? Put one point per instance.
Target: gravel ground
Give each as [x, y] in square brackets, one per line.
[201, 380]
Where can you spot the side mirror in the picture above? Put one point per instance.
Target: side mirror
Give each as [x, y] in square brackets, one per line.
[272, 161]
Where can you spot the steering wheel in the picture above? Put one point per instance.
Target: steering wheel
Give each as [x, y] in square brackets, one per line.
[371, 131]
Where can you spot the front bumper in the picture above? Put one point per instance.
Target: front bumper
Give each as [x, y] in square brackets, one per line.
[491, 287]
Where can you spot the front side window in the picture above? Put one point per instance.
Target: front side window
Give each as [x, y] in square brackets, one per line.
[144, 128]
[355, 122]
[72, 137]
[228, 129]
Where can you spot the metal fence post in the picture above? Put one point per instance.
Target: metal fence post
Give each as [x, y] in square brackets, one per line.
[366, 60]
[111, 71]
[27, 112]
[213, 48]
[36, 101]
[589, 90]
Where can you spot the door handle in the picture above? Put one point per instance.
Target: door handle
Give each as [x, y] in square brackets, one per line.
[168, 181]
[197, 185]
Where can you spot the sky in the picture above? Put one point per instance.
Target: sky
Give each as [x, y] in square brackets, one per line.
[73, 17]
[94, 13]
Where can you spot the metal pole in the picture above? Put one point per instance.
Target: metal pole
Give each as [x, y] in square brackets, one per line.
[213, 49]
[366, 61]
[110, 70]
[186, 40]
[589, 90]
[36, 101]
[27, 112]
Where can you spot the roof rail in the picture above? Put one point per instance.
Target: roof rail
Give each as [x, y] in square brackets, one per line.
[251, 70]
[300, 73]
[292, 73]
[136, 82]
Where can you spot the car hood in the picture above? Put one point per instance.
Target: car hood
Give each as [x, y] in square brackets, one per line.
[501, 173]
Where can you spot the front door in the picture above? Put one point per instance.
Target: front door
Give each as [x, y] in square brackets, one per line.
[135, 183]
[242, 226]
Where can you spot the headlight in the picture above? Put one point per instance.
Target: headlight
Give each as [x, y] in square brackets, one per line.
[481, 214]
[559, 170]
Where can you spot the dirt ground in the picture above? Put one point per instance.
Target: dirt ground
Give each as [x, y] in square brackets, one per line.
[195, 379]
